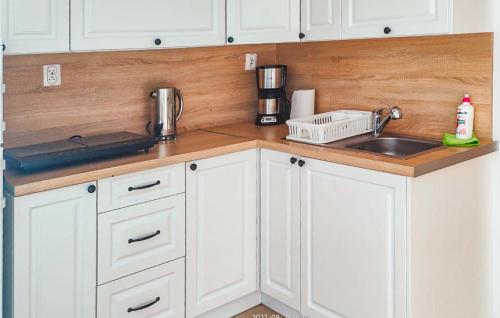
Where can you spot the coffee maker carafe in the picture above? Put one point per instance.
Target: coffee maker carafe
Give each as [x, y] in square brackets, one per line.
[273, 108]
[168, 109]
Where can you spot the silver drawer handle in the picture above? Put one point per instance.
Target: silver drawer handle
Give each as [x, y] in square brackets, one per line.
[144, 306]
[148, 237]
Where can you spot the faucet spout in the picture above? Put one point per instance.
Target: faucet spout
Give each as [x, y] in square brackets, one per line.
[379, 123]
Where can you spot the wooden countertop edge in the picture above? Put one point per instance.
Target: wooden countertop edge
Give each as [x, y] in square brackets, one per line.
[94, 175]
[403, 168]
[340, 157]
[454, 159]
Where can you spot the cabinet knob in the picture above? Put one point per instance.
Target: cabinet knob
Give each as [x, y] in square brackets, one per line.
[91, 188]
[302, 163]
[301, 35]
[3, 47]
[157, 41]
[230, 39]
[193, 167]
[293, 160]
[387, 30]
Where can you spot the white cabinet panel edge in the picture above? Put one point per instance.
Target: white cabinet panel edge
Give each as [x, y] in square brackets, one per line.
[280, 228]
[400, 236]
[256, 34]
[330, 29]
[438, 21]
[41, 29]
[83, 38]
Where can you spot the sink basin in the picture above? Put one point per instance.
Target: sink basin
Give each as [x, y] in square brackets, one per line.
[396, 146]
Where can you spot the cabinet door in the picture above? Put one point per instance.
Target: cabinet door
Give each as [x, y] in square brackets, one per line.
[35, 26]
[353, 242]
[156, 292]
[280, 227]
[263, 21]
[368, 18]
[111, 24]
[321, 20]
[221, 231]
[53, 261]
[139, 237]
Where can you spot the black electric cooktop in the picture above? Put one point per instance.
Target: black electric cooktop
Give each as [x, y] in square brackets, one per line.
[76, 149]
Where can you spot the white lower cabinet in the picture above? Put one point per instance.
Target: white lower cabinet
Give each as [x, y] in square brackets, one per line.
[135, 188]
[50, 254]
[353, 233]
[333, 238]
[140, 236]
[221, 231]
[280, 227]
[157, 292]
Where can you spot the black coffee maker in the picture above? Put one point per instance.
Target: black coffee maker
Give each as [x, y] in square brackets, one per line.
[272, 106]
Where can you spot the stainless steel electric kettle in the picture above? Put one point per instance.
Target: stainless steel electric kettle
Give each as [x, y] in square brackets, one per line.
[169, 106]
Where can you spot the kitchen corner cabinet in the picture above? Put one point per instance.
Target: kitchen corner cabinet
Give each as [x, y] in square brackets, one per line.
[321, 20]
[221, 230]
[35, 26]
[110, 24]
[50, 254]
[353, 235]
[368, 18]
[333, 238]
[248, 22]
[280, 227]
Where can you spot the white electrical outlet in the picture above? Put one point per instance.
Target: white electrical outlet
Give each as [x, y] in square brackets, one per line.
[52, 75]
[251, 62]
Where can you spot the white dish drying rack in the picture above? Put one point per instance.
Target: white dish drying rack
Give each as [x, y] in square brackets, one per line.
[329, 127]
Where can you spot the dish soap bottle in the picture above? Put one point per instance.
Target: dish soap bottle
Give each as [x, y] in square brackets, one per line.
[465, 119]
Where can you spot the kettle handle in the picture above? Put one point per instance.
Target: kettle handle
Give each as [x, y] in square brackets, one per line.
[181, 106]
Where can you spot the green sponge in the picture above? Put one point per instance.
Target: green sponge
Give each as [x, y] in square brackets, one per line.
[451, 140]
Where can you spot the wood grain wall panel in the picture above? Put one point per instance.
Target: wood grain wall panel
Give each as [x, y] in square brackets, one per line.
[108, 91]
[425, 76]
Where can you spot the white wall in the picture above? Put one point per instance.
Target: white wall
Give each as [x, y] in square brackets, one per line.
[471, 16]
[496, 186]
[496, 168]
[484, 16]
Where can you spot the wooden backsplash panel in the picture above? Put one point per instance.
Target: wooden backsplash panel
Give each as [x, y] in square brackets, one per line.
[425, 76]
[108, 91]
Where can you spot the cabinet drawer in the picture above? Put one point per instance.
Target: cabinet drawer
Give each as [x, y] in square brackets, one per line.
[157, 292]
[130, 189]
[141, 236]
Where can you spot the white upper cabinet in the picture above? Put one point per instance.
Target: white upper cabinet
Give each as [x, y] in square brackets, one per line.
[35, 26]
[221, 231]
[368, 18]
[280, 227]
[263, 21]
[131, 24]
[321, 20]
[353, 224]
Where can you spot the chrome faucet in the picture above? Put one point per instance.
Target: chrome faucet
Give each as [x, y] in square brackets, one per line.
[379, 123]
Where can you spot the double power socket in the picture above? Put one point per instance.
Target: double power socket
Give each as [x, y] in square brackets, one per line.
[52, 75]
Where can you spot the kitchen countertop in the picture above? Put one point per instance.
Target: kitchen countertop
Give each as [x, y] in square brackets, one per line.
[221, 140]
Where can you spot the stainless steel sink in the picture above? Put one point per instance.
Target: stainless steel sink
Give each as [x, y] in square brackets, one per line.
[401, 147]
[396, 146]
